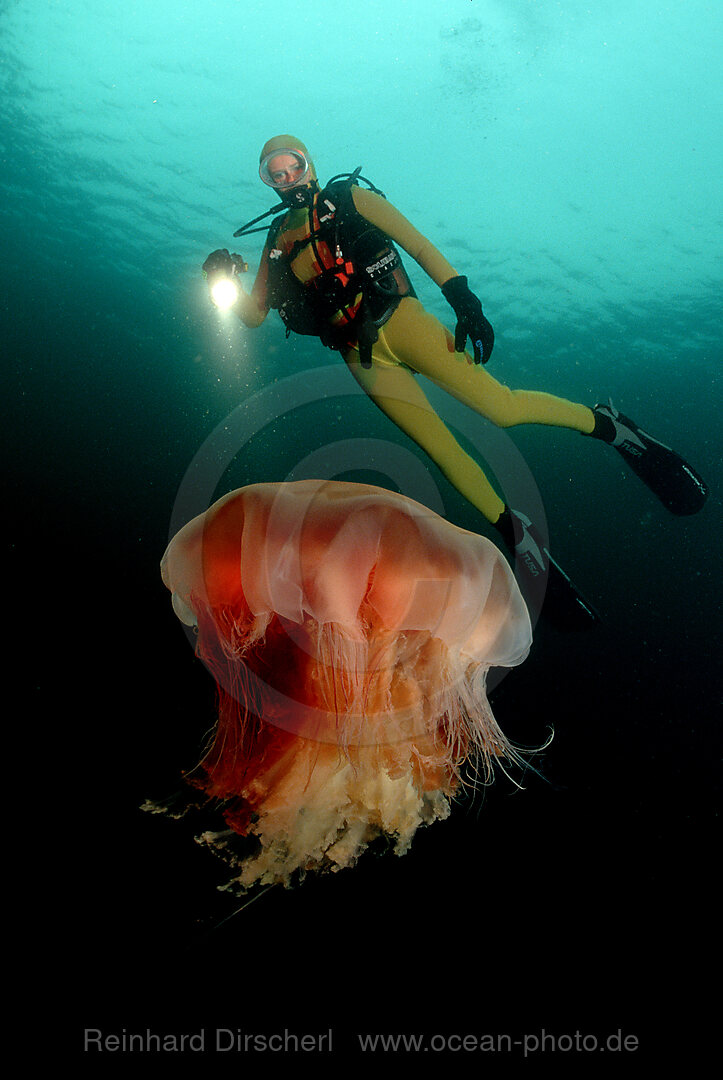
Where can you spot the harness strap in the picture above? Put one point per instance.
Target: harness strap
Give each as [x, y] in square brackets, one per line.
[350, 276]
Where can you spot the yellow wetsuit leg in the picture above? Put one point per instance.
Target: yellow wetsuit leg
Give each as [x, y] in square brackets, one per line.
[398, 394]
[414, 338]
[419, 340]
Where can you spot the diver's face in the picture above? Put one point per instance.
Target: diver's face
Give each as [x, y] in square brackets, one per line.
[285, 170]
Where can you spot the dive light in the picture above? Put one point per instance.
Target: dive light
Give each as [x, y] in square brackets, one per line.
[224, 293]
[221, 270]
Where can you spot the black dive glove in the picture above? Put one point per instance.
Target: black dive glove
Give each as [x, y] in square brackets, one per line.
[470, 320]
[220, 262]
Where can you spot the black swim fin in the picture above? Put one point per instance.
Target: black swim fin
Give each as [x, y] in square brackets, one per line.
[678, 486]
[543, 582]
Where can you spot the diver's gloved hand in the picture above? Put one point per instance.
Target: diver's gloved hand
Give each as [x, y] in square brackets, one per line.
[470, 320]
[221, 262]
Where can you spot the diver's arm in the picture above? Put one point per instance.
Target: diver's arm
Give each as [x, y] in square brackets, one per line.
[249, 307]
[252, 308]
[386, 217]
[471, 321]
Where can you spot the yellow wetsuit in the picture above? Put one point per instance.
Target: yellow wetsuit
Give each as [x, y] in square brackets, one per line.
[414, 341]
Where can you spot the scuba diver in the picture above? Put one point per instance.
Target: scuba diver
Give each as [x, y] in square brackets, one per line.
[331, 268]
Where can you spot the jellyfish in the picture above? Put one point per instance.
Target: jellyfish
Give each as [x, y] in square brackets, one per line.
[349, 631]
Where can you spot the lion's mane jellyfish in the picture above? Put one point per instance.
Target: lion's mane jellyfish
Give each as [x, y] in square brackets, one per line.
[349, 631]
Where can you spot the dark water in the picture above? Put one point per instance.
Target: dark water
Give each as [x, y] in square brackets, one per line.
[584, 902]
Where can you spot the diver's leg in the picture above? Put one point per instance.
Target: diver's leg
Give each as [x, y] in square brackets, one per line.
[396, 392]
[420, 340]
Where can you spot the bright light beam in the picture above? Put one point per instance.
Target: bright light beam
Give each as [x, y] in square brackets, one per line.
[224, 293]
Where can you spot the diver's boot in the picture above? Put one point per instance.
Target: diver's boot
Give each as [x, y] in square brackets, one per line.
[543, 582]
[678, 486]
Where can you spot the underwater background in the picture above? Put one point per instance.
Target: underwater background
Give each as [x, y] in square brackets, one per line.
[567, 158]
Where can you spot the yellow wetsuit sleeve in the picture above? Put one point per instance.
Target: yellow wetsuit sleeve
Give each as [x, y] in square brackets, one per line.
[252, 308]
[378, 211]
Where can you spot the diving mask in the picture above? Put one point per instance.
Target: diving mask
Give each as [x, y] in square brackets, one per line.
[283, 169]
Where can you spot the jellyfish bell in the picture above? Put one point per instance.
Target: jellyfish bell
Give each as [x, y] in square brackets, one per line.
[349, 631]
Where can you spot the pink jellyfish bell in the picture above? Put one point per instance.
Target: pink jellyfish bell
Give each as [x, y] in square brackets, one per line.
[349, 631]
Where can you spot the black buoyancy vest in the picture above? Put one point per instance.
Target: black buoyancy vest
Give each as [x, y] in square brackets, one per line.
[364, 264]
